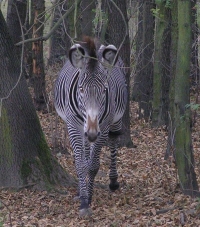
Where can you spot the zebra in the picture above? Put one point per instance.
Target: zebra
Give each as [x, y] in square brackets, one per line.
[91, 97]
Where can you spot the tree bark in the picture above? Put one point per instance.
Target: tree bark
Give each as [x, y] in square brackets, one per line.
[60, 41]
[118, 33]
[25, 158]
[173, 58]
[143, 80]
[183, 144]
[16, 17]
[88, 8]
[38, 76]
[161, 79]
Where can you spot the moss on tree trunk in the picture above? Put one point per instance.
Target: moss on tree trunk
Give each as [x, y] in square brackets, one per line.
[25, 158]
[160, 64]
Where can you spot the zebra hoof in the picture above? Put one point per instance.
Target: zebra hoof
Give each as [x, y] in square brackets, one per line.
[114, 186]
[85, 212]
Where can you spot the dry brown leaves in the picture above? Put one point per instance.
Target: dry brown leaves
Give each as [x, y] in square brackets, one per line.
[148, 194]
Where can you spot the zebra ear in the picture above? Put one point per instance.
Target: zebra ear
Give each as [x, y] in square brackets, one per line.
[76, 55]
[110, 54]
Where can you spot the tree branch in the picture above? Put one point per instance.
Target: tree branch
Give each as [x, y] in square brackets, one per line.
[46, 37]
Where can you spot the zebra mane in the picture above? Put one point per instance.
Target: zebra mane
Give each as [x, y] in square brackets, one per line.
[89, 44]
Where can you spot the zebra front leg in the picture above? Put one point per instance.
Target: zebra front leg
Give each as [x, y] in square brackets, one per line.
[92, 172]
[113, 175]
[82, 169]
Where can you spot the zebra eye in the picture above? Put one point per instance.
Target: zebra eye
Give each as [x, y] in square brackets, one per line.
[81, 89]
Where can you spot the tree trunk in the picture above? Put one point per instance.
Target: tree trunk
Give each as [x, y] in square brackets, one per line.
[173, 58]
[60, 42]
[143, 80]
[183, 144]
[161, 79]
[118, 33]
[101, 20]
[25, 158]
[16, 17]
[38, 76]
[18, 25]
[194, 77]
[88, 8]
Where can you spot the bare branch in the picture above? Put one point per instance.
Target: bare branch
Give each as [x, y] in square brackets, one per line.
[47, 36]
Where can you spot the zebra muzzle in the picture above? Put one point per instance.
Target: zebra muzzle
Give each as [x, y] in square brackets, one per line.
[92, 131]
[92, 136]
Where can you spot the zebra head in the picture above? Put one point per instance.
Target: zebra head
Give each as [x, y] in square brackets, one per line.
[93, 92]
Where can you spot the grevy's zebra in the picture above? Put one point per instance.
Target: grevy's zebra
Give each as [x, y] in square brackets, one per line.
[91, 97]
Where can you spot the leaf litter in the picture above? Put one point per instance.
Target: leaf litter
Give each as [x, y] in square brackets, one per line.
[149, 193]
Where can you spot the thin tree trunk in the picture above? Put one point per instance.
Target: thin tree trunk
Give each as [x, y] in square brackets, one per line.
[24, 155]
[183, 143]
[142, 88]
[88, 8]
[118, 33]
[161, 66]
[38, 76]
[59, 42]
[173, 58]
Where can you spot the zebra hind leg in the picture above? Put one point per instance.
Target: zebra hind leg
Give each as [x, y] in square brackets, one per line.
[113, 175]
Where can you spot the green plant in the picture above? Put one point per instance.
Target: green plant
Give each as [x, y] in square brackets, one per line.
[193, 106]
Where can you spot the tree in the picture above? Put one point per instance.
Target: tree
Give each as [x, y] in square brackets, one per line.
[24, 155]
[173, 57]
[88, 8]
[60, 40]
[143, 80]
[38, 75]
[117, 34]
[16, 20]
[183, 144]
[161, 79]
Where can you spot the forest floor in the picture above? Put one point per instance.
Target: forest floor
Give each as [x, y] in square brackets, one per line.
[149, 193]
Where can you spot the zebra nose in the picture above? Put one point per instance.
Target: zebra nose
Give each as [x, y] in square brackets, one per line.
[92, 136]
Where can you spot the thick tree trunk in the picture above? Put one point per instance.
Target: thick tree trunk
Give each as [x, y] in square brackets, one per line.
[38, 76]
[16, 17]
[118, 33]
[143, 80]
[24, 155]
[183, 144]
[161, 78]
[18, 24]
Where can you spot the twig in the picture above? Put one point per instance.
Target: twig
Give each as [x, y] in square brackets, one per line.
[21, 66]
[47, 36]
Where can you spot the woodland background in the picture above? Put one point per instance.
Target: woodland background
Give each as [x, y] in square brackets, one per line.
[158, 162]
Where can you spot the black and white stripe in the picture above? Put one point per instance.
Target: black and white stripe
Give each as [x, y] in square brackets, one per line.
[91, 97]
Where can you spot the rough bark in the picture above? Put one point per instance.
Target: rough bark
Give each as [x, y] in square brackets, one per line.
[161, 79]
[183, 143]
[116, 34]
[143, 80]
[25, 158]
